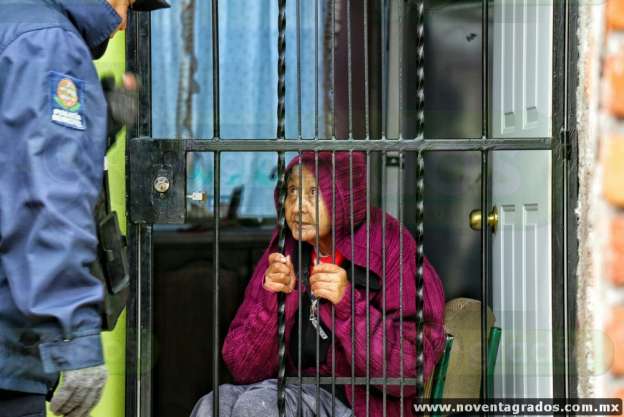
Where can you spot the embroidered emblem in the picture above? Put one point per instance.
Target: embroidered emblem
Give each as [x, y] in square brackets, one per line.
[67, 97]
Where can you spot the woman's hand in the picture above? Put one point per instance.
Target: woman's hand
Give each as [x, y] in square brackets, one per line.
[280, 275]
[329, 281]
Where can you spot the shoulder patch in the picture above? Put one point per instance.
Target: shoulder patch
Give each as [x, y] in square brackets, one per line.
[67, 101]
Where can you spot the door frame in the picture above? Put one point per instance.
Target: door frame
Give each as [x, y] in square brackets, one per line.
[563, 144]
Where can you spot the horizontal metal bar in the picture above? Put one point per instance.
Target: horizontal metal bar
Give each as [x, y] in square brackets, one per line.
[255, 145]
[326, 380]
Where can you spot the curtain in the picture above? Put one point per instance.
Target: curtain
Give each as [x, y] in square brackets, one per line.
[182, 88]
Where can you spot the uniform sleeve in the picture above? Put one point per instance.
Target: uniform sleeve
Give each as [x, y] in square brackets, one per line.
[52, 133]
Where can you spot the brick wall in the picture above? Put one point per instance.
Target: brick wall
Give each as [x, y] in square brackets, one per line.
[611, 199]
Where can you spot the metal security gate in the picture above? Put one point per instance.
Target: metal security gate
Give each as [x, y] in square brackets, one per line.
[157, 191]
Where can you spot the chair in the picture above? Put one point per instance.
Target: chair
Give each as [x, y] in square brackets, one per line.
[458, 372]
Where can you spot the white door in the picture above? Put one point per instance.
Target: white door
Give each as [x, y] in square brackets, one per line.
[521, 190]
[521, 274]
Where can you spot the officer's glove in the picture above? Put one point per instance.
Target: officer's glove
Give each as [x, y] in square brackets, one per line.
[80, 393]
[122, 104]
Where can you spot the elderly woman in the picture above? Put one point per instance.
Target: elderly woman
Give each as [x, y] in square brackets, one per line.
[325, 280]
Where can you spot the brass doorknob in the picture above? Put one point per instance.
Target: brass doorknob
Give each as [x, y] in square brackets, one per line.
[475, 219]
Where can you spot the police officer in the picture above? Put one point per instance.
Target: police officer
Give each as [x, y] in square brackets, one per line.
[53, 119]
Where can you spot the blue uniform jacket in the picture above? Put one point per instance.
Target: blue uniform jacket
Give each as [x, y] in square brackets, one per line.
[52, 146]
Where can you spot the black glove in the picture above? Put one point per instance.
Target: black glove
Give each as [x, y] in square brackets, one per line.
[122, 105]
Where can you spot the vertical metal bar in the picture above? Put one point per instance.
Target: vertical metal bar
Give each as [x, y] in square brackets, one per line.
[562, 197]
[316, 71]
[281, 314]
[216, 104]
[564, 194]
[216, 108]
[281, 169]
[383, 279]
[420, 207]
[333, 70]
[401, 353]
[333, 210]
[485, 262]
[188, 68]
[138, 51]
[333, 309]
[400, 203]
[316, 137]
[557, 216]
[420, 259]
[570, 251]
[300, 203]
[367, 283]
[349, 72]
[132, 308]
[401, 52]
[299, 128]
[485, 132]
[215, 311]
[317, 261]
[384, 72]
[139, 318]
[145, 319]
[352, 230]
[281, 72]
[420, 73]
[485, 70]
[366, 81]
[300, 286]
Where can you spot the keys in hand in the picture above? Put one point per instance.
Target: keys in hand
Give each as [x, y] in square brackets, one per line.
[314, 318]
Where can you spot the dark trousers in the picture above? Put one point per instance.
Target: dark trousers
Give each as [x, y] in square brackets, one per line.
[21, 404]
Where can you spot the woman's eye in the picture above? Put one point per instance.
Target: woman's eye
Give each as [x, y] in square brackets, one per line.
[292, 192]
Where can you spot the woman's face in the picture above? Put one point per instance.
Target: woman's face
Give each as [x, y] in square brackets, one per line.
[308, 189]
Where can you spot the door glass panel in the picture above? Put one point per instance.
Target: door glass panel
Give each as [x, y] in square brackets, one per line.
[522, 39]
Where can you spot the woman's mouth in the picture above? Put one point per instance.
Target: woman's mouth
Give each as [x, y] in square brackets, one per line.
[303, 225]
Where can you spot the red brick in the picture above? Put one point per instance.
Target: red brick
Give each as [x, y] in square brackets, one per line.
[619, 393]
[615, 332]
[613, 160]
[616, 273]
[616, 263]
[614, 88]
[615, 14]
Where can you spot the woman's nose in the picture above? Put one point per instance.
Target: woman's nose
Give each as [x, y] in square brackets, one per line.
[303, 205]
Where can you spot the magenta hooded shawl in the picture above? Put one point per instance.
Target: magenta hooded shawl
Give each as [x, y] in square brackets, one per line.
[250, 349]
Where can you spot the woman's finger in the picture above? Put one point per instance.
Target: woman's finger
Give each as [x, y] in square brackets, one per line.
[279, 267]
[326, 286]
[293, 281]
[323, 277]
[326, 268]
[277, 257]
[278, 277]
[325, 294]
[276, 287]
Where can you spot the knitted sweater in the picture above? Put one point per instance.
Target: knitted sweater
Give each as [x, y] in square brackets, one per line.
[250, 349]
